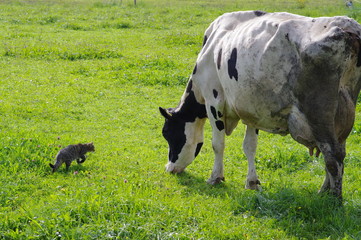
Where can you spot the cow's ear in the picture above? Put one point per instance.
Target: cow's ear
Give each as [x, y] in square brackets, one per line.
[165, 113]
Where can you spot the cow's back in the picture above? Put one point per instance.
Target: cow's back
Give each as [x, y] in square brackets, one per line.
[261, 60]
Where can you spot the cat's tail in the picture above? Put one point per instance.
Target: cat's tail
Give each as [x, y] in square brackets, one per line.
[54, 167]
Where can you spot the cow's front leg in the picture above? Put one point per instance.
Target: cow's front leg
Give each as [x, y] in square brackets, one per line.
[217, 175]
[334, 156]
[218, 136]
[249, 148]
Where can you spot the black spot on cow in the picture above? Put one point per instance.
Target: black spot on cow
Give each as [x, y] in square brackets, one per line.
[198, 149]
[219, 59]
[220, 125]
[232, 71]
[195, 69]
[191, 109]
[174, 133]
[287, 37]
[189, 86]
[313, 20]
[214, 112]
[259, 13]
[205, 40]
[215, 93]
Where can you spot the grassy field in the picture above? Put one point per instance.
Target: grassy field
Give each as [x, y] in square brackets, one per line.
[96, 71]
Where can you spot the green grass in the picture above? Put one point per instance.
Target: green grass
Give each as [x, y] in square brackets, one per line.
[90, 70]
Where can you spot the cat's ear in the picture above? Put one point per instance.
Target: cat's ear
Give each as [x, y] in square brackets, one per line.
[92, 147]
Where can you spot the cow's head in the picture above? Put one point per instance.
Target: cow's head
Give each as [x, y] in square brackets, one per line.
[185, 139]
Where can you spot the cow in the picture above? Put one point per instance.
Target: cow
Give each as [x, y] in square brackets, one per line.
[277, 72]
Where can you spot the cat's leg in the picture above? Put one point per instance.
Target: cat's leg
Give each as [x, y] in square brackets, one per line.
[82, 159]
[67, 165]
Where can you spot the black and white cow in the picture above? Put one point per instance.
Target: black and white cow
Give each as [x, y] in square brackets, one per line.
[277, 72]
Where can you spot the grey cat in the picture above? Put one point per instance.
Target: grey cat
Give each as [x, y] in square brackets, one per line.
[70, 153]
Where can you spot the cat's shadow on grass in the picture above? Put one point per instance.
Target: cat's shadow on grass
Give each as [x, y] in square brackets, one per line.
[73, 170]
[319, 215]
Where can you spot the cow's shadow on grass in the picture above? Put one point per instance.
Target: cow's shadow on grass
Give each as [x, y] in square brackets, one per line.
[301, 213]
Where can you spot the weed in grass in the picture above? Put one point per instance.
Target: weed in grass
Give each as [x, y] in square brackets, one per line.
[301, 3]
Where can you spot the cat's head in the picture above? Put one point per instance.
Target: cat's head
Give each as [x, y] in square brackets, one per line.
[90, 147]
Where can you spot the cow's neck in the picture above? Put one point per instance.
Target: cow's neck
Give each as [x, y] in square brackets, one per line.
[190, 107]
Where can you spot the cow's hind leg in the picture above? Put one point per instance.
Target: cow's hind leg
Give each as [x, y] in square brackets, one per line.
[334, 156]
[249, 148]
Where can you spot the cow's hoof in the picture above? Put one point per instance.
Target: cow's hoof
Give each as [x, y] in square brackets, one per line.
[253, 185]
[215, 181]
[336, 194]
[337, 198]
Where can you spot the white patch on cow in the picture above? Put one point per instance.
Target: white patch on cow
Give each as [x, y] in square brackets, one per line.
[173, 168]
